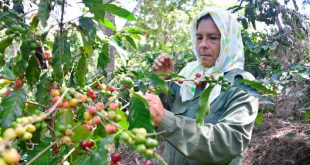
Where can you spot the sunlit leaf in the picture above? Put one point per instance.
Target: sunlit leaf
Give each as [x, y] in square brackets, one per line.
[107, 23]
[307, 115]
[259, 86]
[81, 71]
[34, 23]
[260, 118]
[131, 41]
[204, 106]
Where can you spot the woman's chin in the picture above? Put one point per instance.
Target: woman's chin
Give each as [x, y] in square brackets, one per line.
[206, 63]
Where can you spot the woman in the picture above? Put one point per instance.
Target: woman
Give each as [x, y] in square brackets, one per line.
[228, 127]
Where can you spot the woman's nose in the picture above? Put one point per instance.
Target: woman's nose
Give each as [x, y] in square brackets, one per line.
[204, 44]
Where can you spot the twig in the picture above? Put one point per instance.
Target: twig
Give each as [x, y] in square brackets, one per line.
[125, 106]
[42, 152]
[136, 160]
[66, 156]
[156, 133]
[98, 80]
[62, 16]
[161, 159]
[35, 103]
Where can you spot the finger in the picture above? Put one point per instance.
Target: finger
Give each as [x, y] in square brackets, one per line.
[162, 59]
[158, 63]
[155, 67]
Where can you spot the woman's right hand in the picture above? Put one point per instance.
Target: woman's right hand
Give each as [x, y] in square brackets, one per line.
[163, 64]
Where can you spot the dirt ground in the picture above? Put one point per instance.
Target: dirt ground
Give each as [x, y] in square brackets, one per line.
[284, 136]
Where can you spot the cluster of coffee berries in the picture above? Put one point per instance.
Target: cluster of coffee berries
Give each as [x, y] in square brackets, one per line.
[211, 80]
[69, 101]
[22, 128]
[143, 144]
[127, 82]
[16, 31]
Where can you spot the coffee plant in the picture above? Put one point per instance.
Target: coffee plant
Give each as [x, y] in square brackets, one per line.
[57, 104]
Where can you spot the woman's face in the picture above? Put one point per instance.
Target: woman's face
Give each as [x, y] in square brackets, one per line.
[208, 39]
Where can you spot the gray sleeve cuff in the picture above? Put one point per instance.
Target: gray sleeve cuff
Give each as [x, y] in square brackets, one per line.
[167, 123]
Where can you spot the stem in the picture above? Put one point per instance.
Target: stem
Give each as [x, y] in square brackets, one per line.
[62, 16]
[54, 107]
[66, 156]
[98, 80]
[137, 162]
[125, 106]
[35, 103]
[42, 152]
[161, 159]
[156, 133]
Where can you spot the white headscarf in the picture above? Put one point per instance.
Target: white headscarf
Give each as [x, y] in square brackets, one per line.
[231, 52]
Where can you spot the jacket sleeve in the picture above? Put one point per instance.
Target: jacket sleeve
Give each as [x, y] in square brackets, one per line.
[219, 143]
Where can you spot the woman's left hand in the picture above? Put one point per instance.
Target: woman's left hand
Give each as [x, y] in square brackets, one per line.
[156, 107]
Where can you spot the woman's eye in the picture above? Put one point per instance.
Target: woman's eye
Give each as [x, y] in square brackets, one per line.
[213, 38]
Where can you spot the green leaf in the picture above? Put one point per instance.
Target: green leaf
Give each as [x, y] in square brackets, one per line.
[139, 113]
[34, 23]
[81, 71]
[80, 133]
[123, 123]
[104, 57]
[131, 41]
[3, 45]
[98, 9]
[121, 12]
[44, 11]
[22, 59]
[82, 161]
[42, 94]
[62, 60]
[259, 86]
[88, 32]
[307, 115]
[64, 117]
[100, 156]
[133, 30]
[7, 72]
[11, 107]
[33, 70]
[157, 82]
[45, 158]
[260, 118]
[107, 23]
[204, 106]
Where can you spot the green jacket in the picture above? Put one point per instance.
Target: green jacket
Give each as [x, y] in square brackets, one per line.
[225, 134]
